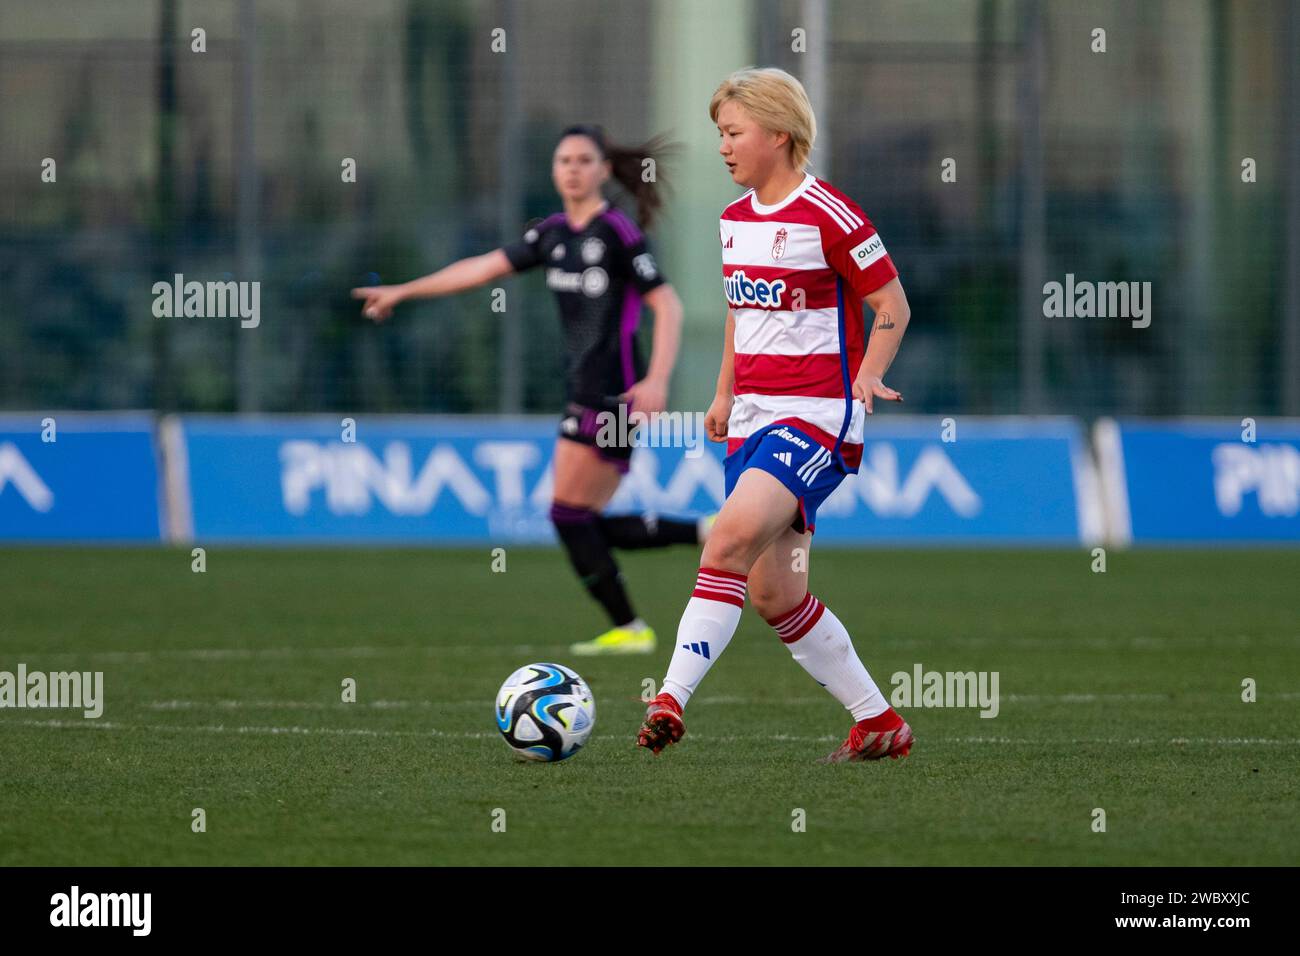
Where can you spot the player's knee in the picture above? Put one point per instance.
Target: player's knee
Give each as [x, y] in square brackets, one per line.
[771, 601]
[730, 549]
[563, 514]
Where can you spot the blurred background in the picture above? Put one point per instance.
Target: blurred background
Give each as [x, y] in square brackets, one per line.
[1125, 165]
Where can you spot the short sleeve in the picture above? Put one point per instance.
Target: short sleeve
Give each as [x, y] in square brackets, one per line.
[526, 252]
[858, 254]
[640, 265]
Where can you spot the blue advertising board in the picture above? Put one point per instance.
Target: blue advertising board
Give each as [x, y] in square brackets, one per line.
[1228, 480]
[69, 477]
[488, 479]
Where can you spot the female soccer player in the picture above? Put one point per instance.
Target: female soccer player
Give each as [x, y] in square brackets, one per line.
[798, 256]
[600, 270]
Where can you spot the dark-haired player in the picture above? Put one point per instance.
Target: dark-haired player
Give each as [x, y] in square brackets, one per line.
[597, 264]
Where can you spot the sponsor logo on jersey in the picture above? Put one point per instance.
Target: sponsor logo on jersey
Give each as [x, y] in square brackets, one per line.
[592, 250]
[778, 245]
[594, 281]
[644, 265]
[590, 282]
[742, 290]
[726, 235]
[868, 251]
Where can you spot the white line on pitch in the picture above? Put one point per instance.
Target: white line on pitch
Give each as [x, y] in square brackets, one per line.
[715, 700]
[366, 732]
[289, 653]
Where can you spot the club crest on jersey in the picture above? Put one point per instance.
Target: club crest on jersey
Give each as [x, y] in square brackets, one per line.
[592, 250]
[778, 245]
[742, 290]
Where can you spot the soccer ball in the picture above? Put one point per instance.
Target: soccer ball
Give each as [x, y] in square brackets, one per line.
[545, 711]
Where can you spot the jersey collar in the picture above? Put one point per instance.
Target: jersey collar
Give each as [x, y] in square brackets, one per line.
[600, 212]
[776, 207]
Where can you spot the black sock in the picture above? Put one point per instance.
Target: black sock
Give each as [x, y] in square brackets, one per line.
[589, 554]
[647, 531]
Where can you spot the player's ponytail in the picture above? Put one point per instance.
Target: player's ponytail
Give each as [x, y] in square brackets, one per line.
[628, 165]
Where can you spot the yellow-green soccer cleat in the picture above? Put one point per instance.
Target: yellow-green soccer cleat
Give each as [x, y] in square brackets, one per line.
[618, 640]
[704, 527]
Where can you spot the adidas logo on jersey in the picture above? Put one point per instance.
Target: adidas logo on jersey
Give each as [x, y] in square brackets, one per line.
[783, 457]
[742, 290]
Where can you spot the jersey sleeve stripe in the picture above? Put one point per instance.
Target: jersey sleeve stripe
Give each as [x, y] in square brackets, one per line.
[825, 207]
[839, 204]
[625, 227]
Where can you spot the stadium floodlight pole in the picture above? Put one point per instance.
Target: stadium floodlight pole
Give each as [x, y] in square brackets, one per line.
[510, 209]
[814, 80]
[247, 366]
[164, 390]
[1033, 229]
[1289, 43]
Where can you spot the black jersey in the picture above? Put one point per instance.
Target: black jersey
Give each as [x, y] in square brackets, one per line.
[599, 275]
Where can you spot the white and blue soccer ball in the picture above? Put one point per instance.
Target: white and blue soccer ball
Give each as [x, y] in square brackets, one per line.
[545, 711]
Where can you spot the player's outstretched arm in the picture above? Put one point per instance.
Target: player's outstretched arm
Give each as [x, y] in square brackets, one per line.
[380, 300]
[889, 303]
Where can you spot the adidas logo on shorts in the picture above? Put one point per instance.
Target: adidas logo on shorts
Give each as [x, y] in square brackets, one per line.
[783, 457]
[814, 466]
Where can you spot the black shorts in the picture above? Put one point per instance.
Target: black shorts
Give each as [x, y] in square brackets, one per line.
[613, 439]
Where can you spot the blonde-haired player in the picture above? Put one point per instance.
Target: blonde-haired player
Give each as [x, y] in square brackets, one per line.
[797, 380]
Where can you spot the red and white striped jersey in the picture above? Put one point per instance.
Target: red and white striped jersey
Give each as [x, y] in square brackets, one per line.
[795, 274]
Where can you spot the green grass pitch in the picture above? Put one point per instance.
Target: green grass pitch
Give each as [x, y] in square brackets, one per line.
[1119, 690]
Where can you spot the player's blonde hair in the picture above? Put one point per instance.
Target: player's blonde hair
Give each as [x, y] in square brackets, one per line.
[777, 102]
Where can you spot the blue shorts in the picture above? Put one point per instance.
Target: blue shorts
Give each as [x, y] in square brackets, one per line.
[808, 469]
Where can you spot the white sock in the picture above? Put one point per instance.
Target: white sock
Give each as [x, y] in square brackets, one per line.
[822, 646]
[706, 629]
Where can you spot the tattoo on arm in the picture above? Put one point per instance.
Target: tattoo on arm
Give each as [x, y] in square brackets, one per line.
[885, 321]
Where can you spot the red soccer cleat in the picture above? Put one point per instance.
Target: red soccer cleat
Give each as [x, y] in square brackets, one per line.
[885, 735]
[663, 724]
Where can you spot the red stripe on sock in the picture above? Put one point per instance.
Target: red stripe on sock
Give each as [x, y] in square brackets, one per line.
[722, 596]
[725, 586]
[735, 576]
[785, 616]
[799, 620]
